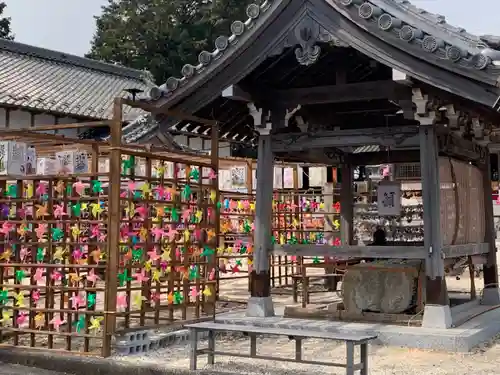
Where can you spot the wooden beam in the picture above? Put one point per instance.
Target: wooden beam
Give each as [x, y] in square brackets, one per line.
[76, 125]
[351, 92]
[30, 135]
[383, 157]
[455, 251]
[168, 112]
[352, 252]
[366, 158]
[453, 145]
[235, 92]
[406, 136]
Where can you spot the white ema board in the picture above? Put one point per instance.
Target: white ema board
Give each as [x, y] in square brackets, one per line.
[389, 198]
[12, 158]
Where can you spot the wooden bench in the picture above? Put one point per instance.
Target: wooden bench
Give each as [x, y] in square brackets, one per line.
[351, 341]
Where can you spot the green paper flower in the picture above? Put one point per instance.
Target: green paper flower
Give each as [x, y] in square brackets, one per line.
[273, 240]
[186, 192]
[123, 278]
[20, 274]
[39, 254]
[97, 187]
[127, 165]
[247, 227]
[316, 260]
[80, 323]
[219, 205]
[69, 190]
[194, 174]
[193, 273]
[178, 298]
[11, 191]
[77, 209]
[207, 252]
[57, 234]
[137, 255]
[91, 300]
[4, 296]
[175, 214]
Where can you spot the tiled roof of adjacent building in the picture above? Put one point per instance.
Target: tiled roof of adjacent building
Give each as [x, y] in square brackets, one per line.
[51, 81]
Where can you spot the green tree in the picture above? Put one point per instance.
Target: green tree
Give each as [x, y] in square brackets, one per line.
[161, 35]
[4, 24]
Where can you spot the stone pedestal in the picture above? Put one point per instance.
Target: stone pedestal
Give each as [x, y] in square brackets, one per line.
[437, 316]
[379, 287]
[260, 307]
[491, 297]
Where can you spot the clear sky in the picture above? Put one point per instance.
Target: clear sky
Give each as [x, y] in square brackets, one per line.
[68, 25]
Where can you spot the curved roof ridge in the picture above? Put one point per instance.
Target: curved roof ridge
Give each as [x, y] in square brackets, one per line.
[408, 12]
[83, 62]
[205, 58]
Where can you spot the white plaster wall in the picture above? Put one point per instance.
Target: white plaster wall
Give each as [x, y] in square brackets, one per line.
[181, 139]
[196, 143]
[72, 133]
[203, 144]
[224, 149]
[3, 117]
[19, 119]
[45, 119]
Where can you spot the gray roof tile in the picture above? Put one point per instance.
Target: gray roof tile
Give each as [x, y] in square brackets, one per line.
[51, 81]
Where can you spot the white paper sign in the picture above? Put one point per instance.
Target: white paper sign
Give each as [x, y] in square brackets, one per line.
[278, 178]
[389, 198]
[239, 177]
[288, 178]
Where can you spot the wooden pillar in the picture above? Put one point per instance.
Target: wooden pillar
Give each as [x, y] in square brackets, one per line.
[346, 205]
[437, 312]
[260, 303]
[114, 219]
[491, 294]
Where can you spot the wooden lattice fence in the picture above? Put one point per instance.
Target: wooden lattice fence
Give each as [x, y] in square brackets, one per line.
[85, 255]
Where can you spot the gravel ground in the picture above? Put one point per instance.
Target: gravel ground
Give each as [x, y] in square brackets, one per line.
[6, 369]
[383, 360]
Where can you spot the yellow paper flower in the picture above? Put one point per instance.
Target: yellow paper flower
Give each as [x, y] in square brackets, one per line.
[95, 323]
[39, 320]
[207, 292]
[5, 317]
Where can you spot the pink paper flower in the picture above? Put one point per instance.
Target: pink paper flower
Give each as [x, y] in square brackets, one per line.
[92, 277]
[21, 318]
[77, 301]
[141, 276]
[59, 211]
[121, 301]
[35, 296]
[38, 276]
[57, 322]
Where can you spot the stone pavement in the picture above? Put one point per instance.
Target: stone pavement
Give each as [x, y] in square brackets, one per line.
[7, 369]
